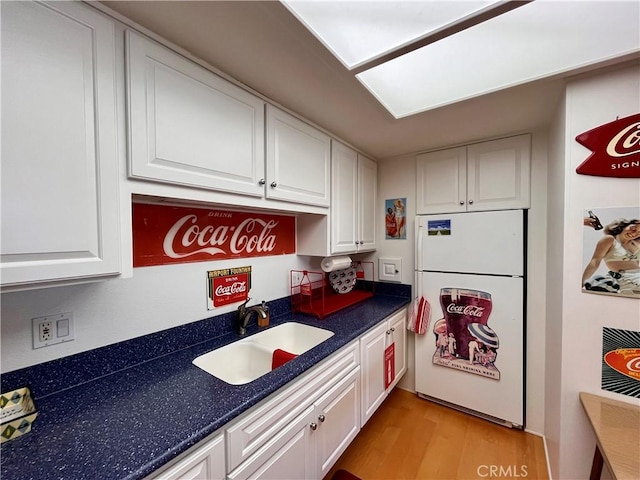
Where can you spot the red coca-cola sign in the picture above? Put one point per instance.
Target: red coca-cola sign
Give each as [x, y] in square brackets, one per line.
[231, 289]
[615, 147]
[165, 234]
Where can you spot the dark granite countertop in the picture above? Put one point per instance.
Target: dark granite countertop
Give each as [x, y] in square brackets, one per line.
[126, 424]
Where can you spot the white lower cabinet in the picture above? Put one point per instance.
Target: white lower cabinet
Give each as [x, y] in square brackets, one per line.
[372, 352]
[206, 462]
[308, 447]
[303, 430]
[289, 455]
[337, 416]
[300, 432]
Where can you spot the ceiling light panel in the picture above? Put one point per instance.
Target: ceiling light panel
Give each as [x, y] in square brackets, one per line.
[359, 31]
[537, 40]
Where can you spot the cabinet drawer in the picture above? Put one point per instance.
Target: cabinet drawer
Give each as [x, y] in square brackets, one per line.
[206, 461]
[259, 426]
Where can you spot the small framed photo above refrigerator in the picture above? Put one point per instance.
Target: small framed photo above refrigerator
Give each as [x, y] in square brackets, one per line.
[611, 251]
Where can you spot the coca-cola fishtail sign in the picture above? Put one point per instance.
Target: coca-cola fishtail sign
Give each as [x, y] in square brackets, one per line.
[165, 234]
[615, 147]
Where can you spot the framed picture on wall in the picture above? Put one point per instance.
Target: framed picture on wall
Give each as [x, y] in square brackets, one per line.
[611, 251]
[395, 219]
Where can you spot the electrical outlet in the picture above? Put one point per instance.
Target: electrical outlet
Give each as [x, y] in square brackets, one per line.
[44, 331]
[52, 329]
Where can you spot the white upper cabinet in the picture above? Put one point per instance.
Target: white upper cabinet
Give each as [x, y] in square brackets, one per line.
[60, 201]
[442, 181]
[298, 160]
[354, 181]
[493, 175]
[367, 194]
[498, 174]
[344, 199]
[188, 126]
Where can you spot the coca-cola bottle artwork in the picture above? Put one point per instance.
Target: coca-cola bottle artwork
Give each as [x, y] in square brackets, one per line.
[595, 221]
[464, 340]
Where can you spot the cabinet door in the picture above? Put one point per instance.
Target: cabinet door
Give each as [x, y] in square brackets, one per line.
[344, 199]
[367, 196]
[442, 181]
[338, 421]
[205, 463]
[298, 160]
[372, 347]
[398, 335]
[290, 455]
[60, 214]
[498, 174]
[188, 126]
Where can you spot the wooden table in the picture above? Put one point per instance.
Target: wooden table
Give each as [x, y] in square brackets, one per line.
[617, 428]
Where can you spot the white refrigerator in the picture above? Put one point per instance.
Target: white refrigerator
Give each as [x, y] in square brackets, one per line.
[470, 267]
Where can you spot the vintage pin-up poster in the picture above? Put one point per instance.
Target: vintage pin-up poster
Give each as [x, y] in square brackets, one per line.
[395, 219]
[611, 251]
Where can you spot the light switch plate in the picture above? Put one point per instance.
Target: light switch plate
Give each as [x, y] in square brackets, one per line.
[390, 270]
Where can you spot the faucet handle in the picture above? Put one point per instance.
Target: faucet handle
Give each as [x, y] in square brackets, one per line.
[243, 305]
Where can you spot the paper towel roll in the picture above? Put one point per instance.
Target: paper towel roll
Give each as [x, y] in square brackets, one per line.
[331, 264]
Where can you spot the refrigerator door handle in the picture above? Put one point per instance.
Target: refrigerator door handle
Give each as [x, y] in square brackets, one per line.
[419, 230]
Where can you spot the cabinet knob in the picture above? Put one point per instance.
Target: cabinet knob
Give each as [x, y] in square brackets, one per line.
[470, 202]
[321, 418]
[262, 181]
[388, 332]
[274, 184]
[461, 202]
[393, 329]
[313, 425]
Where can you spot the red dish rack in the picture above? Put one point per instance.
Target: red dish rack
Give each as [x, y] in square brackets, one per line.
[312, 293]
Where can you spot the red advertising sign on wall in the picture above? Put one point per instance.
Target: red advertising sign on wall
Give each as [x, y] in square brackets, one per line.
[389, 365]
[615, 147]
[228, 285]
[164, 234]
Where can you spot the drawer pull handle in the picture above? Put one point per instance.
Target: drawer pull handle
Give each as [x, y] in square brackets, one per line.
[314, 426]
[321, 418]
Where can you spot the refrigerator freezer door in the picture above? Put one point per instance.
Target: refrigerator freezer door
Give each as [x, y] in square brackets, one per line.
[492, 382]
[479, 242]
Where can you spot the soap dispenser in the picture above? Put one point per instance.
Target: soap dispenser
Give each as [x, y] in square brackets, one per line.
[264, 322]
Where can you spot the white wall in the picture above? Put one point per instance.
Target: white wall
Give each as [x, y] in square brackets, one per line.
[397, 178]
[155, 298]
[555, 271]
[575, 351]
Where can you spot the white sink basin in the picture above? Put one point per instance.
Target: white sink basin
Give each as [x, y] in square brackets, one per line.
[245, 360]
[292, 337]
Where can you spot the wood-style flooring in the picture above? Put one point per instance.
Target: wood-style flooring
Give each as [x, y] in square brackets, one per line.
[412, 438]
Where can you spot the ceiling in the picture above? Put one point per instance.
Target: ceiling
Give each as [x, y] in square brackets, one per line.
[261, 44]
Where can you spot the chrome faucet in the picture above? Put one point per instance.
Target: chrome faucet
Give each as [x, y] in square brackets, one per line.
[244, 314]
